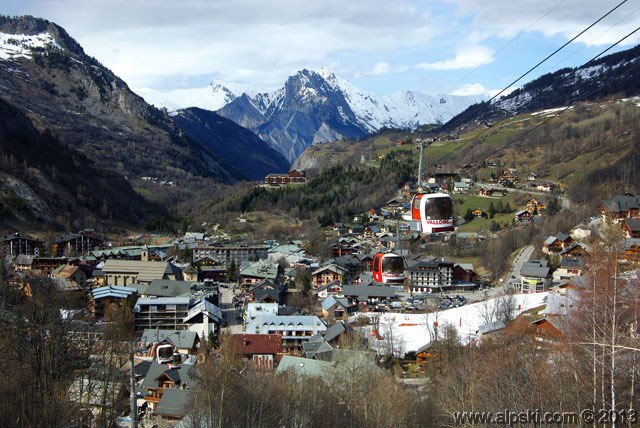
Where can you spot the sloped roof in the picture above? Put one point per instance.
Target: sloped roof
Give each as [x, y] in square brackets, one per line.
[206, 308]
[330, 301]
[368, 291]
[173, 402]
[307, 367]
[490, 327]
[181, 339]
[146, 271]
[633, 224]
[534, 271]
[332, 268]
[168, 288]
[622, 203]
[260, 269]
[316, 344]
[113, 291]
[334, 331]
[249, 344]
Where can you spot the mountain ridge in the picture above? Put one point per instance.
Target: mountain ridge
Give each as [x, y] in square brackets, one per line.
[342, 110]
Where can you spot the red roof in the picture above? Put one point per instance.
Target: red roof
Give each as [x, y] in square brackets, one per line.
[249, 344]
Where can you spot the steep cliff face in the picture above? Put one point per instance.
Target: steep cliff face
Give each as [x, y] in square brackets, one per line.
[47, 75]
[318, 107]
[236, 146]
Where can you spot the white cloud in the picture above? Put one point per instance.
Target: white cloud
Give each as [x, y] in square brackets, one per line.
[470, 89]
[566, 18]
[381, 68]
[469, 56]
[173, 44]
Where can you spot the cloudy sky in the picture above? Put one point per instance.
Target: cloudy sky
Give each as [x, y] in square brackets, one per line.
[382, 46]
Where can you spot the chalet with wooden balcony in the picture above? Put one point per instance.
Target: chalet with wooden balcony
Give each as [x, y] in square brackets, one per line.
[328, 274]
[556, 244]
[620, 207]
[165, 390]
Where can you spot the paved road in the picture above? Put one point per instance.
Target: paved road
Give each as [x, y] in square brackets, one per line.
[566, 203]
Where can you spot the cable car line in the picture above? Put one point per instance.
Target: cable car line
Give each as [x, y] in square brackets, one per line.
[536, 66]
[524, 134]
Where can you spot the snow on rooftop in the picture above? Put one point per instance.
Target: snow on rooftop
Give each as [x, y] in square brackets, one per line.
[410, 332]
[21, 46]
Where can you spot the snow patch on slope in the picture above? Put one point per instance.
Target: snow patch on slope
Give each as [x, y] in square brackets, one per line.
[14, 46]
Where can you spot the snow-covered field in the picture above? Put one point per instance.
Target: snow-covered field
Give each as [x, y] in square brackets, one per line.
[409, 332]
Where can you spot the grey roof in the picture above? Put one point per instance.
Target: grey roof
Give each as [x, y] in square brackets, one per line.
[490, 327]
[181, 376]
[304, 322]
[181, 339]
[332, 267]
[206, 308]
[330, 301]
[571, 263]
[533, 271]
[306, 367]
[168, 288]
[316, 344]
[622, 203]
[368, 291]
[173, 402]
[633, 224]
[334, 331]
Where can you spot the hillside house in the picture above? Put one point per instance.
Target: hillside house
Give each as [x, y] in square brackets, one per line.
[166, 390]
[70, 273]
[204, 318]
[293, 176]
[535, 276]
[544, 187]
[328, 274]
[262, 350]
[107, 296]
[251, 273]
[568, 269]
[16, 243]
[478, 213]
[574, 251]
[461, 187]
[556, 244]
[631, 250]
[523, 216]
[335, 308]
[76, 244]
[620, 207]
[631, 227]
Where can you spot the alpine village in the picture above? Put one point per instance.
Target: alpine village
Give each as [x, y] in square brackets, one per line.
[174, 269]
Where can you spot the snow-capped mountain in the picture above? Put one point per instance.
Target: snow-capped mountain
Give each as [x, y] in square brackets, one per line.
[315, 107]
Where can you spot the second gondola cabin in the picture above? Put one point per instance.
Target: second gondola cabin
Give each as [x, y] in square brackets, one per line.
[388, 268]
